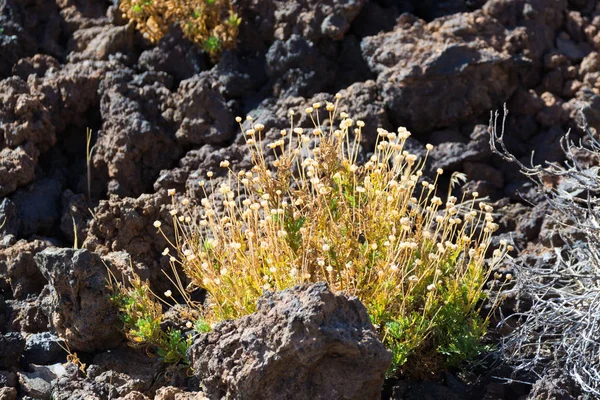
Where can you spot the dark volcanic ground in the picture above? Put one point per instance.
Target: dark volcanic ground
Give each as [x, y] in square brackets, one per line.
[162, 116]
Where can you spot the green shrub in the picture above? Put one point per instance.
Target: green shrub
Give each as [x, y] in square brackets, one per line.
[212, 24]
[377, 231]
[142, 315]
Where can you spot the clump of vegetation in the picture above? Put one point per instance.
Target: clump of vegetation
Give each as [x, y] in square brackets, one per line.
[142, 315]
[212, 24]
[377, 231]
[560, 331]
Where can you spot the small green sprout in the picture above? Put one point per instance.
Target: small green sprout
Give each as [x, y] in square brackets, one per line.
[202, 326]
[212, 44]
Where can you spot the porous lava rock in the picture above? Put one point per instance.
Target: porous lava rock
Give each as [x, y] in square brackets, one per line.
[18, 270]
[80, 311]
[42, 349]
[27, 27]
[12, 345]
[126, 225]
[263, 21]
[532, 23]
[37, 383]
[201, 112]
[34, 111]
[410, 390]
[72, 386]
[8, 393]
[555, 385]
[301, 343]
[445, 72]
[134, 137]
[296, 67]
[132, 362]
[38, 206]
[123, 373]
[174, 55]
[83, 14]
[29, 316]
[99, 42]
[173, 393]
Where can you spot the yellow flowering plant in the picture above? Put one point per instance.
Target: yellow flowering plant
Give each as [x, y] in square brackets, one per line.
[375, 230]
[212, 24]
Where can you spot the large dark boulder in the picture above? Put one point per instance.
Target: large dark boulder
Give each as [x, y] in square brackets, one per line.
[445, 72]
[301, 343]
[135, 141]
[80, 311]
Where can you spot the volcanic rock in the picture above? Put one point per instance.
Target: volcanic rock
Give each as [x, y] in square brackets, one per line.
[304, 342]
[81, 311]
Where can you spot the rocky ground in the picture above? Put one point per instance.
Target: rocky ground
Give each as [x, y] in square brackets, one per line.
[162, 116]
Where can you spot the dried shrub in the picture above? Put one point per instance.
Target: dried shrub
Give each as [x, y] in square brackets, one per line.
[561, 329]
[212, 24]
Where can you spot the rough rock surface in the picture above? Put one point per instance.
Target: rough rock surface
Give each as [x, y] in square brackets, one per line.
[37, 383]
[38, 207]
[438, 74]
[72, 386]
[8, 393]
[304, 342]
[27, 27]
[3, 314]
[29, 316]
[81, 311]
[11, 347]
[99, 42]
[120, 373]
[172, 393]
[162, 117]
[131, 144]
[42, 348]
[534, 22]
[202, 113]
[126, 224]
[296, 67]
[557, 385]
[18, 270]
[407, 390]
[175, 56]
[133, 363]
[34, 112]
[279, 20]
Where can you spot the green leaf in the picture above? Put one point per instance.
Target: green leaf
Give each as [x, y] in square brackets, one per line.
[212, 44]
[174, 348]
[234, 20]
[202, 326]
[292, 228]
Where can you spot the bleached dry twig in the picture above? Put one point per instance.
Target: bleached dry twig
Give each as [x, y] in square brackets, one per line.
[562, 327]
